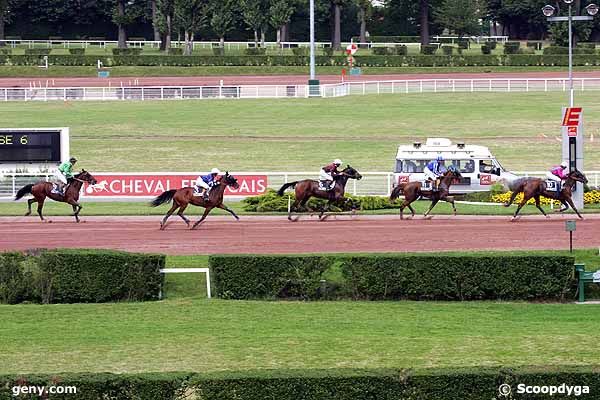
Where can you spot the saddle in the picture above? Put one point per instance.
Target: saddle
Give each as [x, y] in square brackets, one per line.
[326, 185]
[553, 185]
[59, 188]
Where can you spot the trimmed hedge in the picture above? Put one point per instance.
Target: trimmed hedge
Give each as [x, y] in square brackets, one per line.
[175, 51]
[40, 52]
[429, 49]
[129, 51]
[393, 277]
[83, 276]
[343, 384]
[77, 52]
[511, 47]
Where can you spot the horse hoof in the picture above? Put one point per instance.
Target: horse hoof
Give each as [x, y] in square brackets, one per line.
[514, 219]
[49, 221]
[547, 216]
[427, 217]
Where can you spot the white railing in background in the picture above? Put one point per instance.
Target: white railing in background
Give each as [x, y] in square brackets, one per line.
[49, 93]
[372, 183]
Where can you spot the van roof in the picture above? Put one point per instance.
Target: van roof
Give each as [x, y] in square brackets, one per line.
[434, 147]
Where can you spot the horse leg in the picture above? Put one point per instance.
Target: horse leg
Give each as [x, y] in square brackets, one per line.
[537, 204]
[163, 223]
[29, 203]
[75, 212]
[570, 201]
[523, 202]
[206, 211]
[39, 209]
[512, 198]
[292, 208]
[324, 210]
[451, 201]
[183, 217]
[229, 210]
[433, 203]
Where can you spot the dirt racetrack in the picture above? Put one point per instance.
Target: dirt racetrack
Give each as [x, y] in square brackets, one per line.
[276, 235]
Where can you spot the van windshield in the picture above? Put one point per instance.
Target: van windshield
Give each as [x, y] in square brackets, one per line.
[411, 166]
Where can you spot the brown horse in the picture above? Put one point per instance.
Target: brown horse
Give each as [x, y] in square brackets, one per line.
[185, 196]
[41, 190]
[536, 187]
[413, 190]
[308, 188]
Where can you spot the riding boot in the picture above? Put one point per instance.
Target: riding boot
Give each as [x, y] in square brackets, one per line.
[205, 195]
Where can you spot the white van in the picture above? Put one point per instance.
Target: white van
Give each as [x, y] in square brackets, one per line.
[479, 167]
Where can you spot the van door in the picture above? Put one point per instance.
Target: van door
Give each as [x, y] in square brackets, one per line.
[488, 174]
[467, 170]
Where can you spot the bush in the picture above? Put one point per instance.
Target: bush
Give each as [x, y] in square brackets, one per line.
[447, 50]
[328, 51]
[587, 45]
[464, 44]
[526, 50]
[429, 49]
[255, 51]
[389, 39]
[5, 51]
[392, 277]
[175, 51]
[129, 51]
[77, 52]
[380, 51]
[400, 50]
[38, 52]
[511, 47]
[485, 49]
[220, 51]
[491, 44]
[301, 51]
[556, 50]
[87, 276]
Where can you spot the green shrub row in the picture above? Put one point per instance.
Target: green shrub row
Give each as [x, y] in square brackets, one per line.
[129, 51]
[391, 277]
[79, 276]
[389, 39]
[360, 61]
[339, 384]
[397, 50]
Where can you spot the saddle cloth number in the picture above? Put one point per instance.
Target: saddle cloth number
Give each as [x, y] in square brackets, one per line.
[551, 185]
[426, 185]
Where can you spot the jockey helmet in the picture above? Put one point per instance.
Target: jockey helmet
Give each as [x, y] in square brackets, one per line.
[564, 164]
[440, 158]
[337, 161]
[215, 171]
[72, 159]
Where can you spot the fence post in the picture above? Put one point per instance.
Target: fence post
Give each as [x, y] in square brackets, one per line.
[389, 184]
[453, 85]
[64, 94]
[421, 86]
[406, 84]
[378, 87]
[508, 85]
[83, 93]
[14, 185]
[582, 84]
[545, 85]
[364, 88]
[435, 86]
[5, 94]
[142, 93]
[527, 85]
[162, 93]
[471, 85]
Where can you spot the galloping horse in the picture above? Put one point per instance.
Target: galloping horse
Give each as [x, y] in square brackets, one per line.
[413, 190]
[536, 187]
[185, 196]
[308, 188]
[41, 190]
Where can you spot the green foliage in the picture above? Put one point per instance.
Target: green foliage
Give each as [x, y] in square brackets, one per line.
[461, 16]
[511, 47]
[218, 51]
[301, 51]
[447, 50]
[280, 13]
[491, 44]
[486, 49]
[175, 51]
[537, 45]
[429, 49]
[223, 19]
[90, 276]
[5, 51]
[400, 50]
[38, 52]
[348, 384]
[255, 51]
[380, 51]
[77, 52]
[393, 277]
[130, 51]
[328, 51]
[390, 39]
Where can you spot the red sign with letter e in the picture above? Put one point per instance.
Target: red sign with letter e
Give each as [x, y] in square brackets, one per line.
[571, 117]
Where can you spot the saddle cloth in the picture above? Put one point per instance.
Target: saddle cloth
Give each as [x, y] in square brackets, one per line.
[426, 185]
[325, 186]
[552, 185]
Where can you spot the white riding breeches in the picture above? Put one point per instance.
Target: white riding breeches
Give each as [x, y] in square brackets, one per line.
[60, 177]
[553, 177]
[201, 183]
[429, 174]
[325, 176]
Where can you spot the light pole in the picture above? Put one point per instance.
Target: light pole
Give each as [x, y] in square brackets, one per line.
[314, 89]
[572, 142]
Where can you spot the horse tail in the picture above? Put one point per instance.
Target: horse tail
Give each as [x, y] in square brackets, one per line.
[163, 198]
[23, 191]
[284, 187]
[397, 192]
[516, 187]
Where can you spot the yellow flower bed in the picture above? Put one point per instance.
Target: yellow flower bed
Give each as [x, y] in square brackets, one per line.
[592, 197]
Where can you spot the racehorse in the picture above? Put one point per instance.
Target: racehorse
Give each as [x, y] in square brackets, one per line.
[308, 188]
[413, 190]
[41, 190]
[536, 187]
[185, 196]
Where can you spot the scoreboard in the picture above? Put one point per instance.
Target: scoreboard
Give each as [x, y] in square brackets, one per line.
[34, 146]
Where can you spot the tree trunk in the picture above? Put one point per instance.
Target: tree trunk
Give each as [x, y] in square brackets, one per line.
[189, 43]
[168, 33]
[122, 31]
[262, 38]
[337, 41]
[2, 30]
[222, 42]
[283, 33]
[154, 22]
[279, 36]
[424, 7]
[363, 25]
[286, 32]
[255, 38]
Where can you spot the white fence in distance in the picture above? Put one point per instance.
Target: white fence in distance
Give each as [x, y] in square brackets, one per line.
[143, 93]
[372, 183]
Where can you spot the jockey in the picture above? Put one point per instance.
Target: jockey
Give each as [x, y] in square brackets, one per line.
[328, 172]
[558, 173]
[64, 175]
[205, 182]
[434, 170]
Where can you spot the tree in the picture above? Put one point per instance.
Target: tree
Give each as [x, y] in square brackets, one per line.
[461, 16]
[125, 13]
[190, 16]
[365, 8]
[280, 14]
[155, 29]
[424, 18]
[223, 18]
[336, 40]
[165, 9]
[255, 14]
[4, 14]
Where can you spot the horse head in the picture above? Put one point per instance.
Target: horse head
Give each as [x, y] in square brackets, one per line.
[230, 180]
[453, 172]
[351, 173]
[86, 177]
[578, 176]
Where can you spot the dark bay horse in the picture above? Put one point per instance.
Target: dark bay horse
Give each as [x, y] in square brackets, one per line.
[41, 190]
[308, 188]
[185, 196]
[536, 187]
[413, 190]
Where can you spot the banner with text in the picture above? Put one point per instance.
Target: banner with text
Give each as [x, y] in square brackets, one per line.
[115, 185]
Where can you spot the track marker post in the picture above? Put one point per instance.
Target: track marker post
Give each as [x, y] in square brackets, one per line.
[571, 226]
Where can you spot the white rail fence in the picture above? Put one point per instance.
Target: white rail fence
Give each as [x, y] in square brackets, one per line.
[372, 183]
[141, 93]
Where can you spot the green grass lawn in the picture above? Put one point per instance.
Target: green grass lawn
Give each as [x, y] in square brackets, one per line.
[304, 134]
